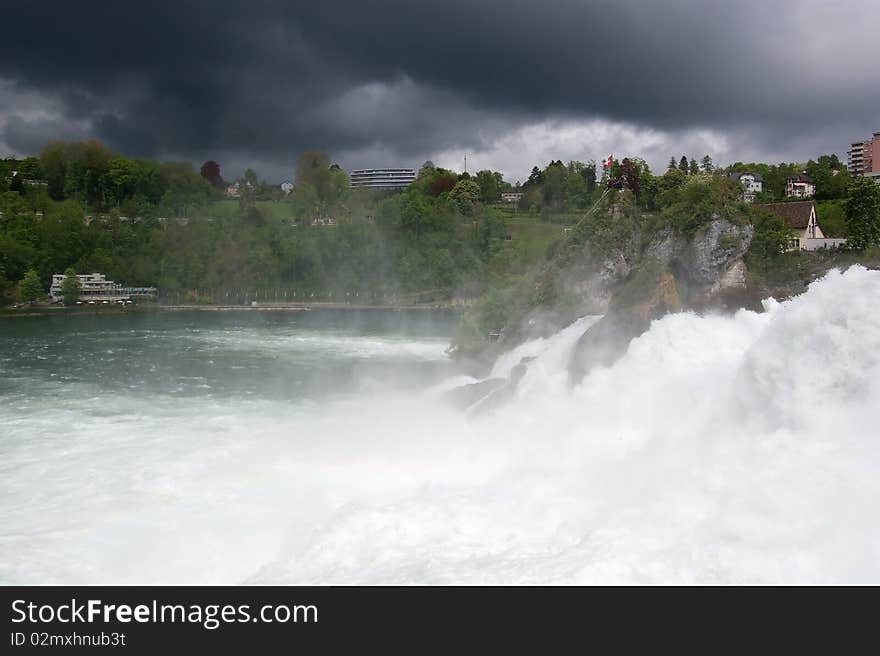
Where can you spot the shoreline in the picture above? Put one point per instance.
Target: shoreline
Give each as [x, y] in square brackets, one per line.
[307, 307]
[44, 311]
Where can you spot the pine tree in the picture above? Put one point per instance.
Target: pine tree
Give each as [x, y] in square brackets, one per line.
[694, 167]
[671, 164]
[707, 164]
[683, 164]
[863, 213]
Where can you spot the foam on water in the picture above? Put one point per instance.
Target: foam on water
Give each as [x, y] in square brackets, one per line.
[320, 344]
[718, 449]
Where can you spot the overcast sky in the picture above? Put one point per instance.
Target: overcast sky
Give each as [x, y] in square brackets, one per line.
[393, 83]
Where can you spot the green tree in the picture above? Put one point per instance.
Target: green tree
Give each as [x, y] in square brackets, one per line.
[671, 164]
[553, 184]
[694, 168]
[120, 179]
[668, 185]
[490, 185]
[831, 177]
[771, 235]
[683, 164]
[832, 217]
[312, 167]
[536, 177]
[70, 287]
[30, 288]
[466, 196]
[707, 165]
[863, 213]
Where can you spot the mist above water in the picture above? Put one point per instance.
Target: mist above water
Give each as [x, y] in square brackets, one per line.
[719, 449]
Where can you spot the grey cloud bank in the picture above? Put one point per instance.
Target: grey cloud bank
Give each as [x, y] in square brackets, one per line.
[512, 84]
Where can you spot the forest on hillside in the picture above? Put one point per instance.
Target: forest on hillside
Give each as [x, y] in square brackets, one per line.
[165, 224]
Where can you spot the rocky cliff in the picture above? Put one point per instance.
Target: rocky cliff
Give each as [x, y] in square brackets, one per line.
[675, 272]
[634, 268]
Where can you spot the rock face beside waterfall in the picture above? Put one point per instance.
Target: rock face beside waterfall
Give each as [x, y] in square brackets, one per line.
[633, 269]
[630, 268]
[675, 272]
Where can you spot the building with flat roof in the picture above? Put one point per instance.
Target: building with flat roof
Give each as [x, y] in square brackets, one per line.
[863, 156]
[382, 178]
[96, 287]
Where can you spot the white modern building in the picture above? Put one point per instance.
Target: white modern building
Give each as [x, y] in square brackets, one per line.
[752, 184]
[96, 287]
[382, 178]
[511, 196]
[286, 188]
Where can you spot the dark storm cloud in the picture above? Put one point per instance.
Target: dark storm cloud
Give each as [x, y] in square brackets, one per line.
[262, 80]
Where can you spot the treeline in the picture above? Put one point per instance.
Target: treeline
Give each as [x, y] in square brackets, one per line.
[682, 202]
[158, 224]
[830, 175]
[146, 223]
[99, 179]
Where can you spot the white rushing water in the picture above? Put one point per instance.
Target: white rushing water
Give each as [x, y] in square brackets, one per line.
[739, 448]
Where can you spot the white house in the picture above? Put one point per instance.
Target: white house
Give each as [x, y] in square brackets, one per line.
[800, 186]
[752, 184]
[800, 217]
[511, 196]
[286, 188]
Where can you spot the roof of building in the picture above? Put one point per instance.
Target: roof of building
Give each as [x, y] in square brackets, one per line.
[796, 215]
[800, 177]
[737, 175]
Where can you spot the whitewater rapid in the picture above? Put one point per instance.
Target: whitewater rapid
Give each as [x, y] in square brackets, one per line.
[724, 449]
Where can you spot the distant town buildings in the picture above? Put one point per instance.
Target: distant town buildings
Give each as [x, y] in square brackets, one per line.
[27, 181]
[856, 158]
[236, 188]
[800, 218]
[800, 186]
[96, 287]
[382, 178]
[752, 184]
[511, 196]
[861, 159]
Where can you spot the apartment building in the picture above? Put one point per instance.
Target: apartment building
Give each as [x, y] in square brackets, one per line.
[862, 156]
[382, 178]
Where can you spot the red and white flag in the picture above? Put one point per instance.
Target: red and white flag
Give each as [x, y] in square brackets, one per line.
[610, 162]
